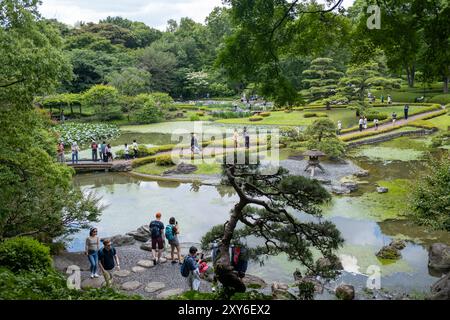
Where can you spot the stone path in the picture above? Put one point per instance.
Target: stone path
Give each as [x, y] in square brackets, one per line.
[397, 123]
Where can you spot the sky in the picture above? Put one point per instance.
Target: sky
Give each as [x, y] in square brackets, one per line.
[154, 13]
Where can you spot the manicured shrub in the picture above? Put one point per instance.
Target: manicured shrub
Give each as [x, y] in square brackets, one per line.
[441, 98]
[310, 114]
[201, 114]
[164, 160]
[321, 115]
[194, 117]
[255, 118]
[25, 254]
[371, 115]
[264, 114]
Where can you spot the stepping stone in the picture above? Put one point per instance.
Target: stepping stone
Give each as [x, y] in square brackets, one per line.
[145, 263]
[122, 273]
[95, 283]
[168, 293]
[131, 285]
[162, 260]
[154, 286]
[138, 269]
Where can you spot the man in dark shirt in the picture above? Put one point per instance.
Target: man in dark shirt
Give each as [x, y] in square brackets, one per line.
[157, 234]
[94, 148]
[406, 111]
[108, 259]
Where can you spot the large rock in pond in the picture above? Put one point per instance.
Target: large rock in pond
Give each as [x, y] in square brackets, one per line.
[121, 167]
[339, 190]
[382, 190]
[398, 244]
[439, 257]
[182, 168]
[139, 236]
[389, 253]
[253, 282]
[441, 289]
[280, 291]
[362, 173]
[350, 185]
[345, 292]
[119, 240]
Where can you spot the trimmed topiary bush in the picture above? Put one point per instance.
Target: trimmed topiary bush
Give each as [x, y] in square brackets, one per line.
[164, 160]
[309, 115]
[25, 254]
[255, 118]
[264, 114]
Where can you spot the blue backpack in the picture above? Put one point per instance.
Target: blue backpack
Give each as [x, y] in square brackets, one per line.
[169, 232]
[184, 269]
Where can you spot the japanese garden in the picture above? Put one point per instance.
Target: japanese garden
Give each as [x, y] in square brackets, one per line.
[297, 150]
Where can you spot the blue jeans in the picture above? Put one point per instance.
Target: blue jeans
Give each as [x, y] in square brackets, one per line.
[75, 157]
[93, 260]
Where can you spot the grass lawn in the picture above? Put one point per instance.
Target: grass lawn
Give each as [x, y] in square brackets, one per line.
[442, 122]
[296, 118]
[206, 168]
[153, 169]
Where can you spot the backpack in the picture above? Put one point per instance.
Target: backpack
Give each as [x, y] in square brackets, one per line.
[184, 269]
[169, 232]
[154, 229]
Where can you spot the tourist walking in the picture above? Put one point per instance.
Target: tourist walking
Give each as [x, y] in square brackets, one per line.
[246, 138]
[103, 151]
[235, 138]
[75, 150]
[339, 127]
[406, 111]
[108, 260]
[365, 123]
[389, 100]
[394, 118]
[382, 99]
[94, 148]
[135, 149]
[375, 121]
[127, 152]
[190, 269]
[171, 233]
[157, 235]
[60, 152]
[109, 154]
[361, 123]
[91, 250]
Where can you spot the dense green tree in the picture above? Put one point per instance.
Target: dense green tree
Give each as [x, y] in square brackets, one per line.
[321, 135]
[130, 81]
[150, 112]
[268, 210]
[104, 100]
[322, 78]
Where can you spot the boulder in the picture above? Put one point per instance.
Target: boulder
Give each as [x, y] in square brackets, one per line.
[144, 229]
[362, 173]
[345, 292]
[121, 167]
[439, 257]
[398, 244]
[382, 190]
[138, 269]
[145, 263]
[323, 180]
[318, 286]
[168, 293]
[339, 190]
[131, 285]
[389, 253]
[350, 185]
[325, 263]
[62, 261]
[441, 289]
[154, 286]
[120, 240]
[139, 236]
[182, 168]
[280, 292]
[253, 282]
[95, 283]
[147, 246]
[121, 273]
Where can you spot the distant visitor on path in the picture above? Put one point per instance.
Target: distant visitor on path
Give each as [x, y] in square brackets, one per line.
[339, 127]
[109, 154]
[246, 138]
[75, 150]
[394, 118]
[127, 152]
[60, 152]
[361, 123]
[375, 121]
[365, 123]
[91, 250]
[157, 235]
[382, 99]
[389, 100]
[406, 111]
[190, 269]
[235, 139]
[94, 148]
[108, 260]
[135, 149]
[172, 231]
[103, 151]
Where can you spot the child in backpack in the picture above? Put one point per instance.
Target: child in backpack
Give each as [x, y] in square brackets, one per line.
[172, 231]
[157, 234]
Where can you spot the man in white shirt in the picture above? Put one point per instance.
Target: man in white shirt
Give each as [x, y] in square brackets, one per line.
[135, 149]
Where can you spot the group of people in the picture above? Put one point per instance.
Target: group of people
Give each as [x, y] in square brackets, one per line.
[372, 98]
[102, 151]
[245, 136]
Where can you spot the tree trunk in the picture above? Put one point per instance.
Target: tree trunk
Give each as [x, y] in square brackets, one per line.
[222, 265]
[411, 74]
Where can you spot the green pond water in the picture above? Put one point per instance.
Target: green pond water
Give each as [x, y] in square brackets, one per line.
[366, 219]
